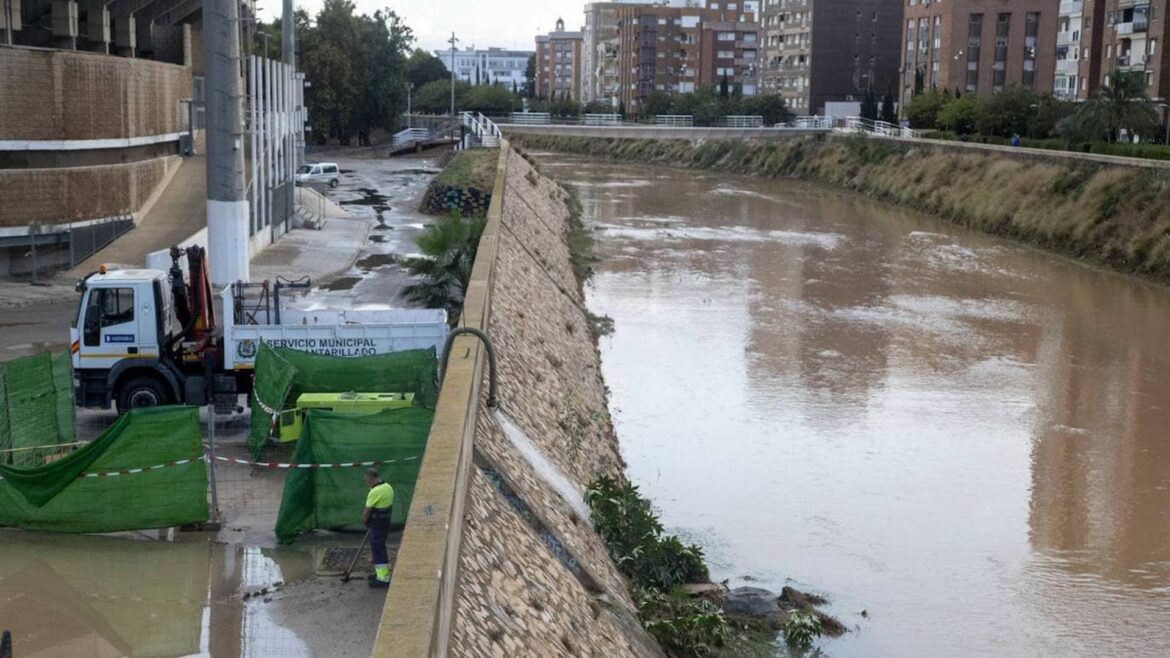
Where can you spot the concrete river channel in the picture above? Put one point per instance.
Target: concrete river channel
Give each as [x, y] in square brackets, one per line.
[962, 442]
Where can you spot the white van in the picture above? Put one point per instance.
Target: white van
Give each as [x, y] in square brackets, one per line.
[319, 172]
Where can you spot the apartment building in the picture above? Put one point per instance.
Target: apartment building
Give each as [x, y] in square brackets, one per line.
[820, 51]
[1079, 33]
[677, 49]
[599, 79]
[980, 46]
[488, 66]
[1133, 37]
[558, 64]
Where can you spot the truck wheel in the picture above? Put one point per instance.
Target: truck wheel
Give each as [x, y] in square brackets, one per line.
[141, 392]
[334, 182]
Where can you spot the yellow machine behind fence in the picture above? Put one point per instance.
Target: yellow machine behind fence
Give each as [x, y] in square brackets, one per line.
[292, 420]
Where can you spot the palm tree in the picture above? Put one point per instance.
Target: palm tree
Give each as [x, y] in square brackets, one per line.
[1120, 106]
[444, 269]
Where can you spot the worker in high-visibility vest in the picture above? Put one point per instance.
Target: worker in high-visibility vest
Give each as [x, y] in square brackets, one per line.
[376, 516]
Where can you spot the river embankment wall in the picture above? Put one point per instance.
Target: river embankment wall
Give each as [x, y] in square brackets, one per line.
[1111, 214]
[495, 559]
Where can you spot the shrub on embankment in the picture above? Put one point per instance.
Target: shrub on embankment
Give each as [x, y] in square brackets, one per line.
[1114, 215]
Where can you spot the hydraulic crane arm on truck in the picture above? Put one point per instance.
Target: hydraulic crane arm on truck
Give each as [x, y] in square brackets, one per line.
[145, 337]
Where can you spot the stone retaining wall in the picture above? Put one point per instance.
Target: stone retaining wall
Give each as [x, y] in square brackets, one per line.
[69, 194]
[69, 95]
[556, 591]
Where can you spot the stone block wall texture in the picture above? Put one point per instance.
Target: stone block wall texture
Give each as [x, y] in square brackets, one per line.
[554, 592]
[55, 95]
[69, 194]
[442, 199]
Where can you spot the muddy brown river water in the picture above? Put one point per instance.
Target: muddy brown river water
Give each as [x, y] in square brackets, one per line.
[965, 438]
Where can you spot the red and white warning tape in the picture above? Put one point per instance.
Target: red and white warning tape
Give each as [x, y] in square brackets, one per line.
[379, 462]
[132, 471]
[143, 469]
[234, 460]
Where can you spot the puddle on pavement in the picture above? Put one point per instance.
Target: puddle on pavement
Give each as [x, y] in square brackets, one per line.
[341, 283]
[370, 197]
[382, 226]
[376, 260]
[377, 238]
[74, 595]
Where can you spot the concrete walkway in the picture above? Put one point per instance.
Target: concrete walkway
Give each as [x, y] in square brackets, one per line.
[180, 211]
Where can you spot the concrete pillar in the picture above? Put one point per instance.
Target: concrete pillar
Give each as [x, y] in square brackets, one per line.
[64, 24]
[97, 26]
[227, 207]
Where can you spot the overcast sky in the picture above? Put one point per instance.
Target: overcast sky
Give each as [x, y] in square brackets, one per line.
[482, 23]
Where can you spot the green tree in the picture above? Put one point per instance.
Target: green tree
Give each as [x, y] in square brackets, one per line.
[530, 76]
[923, 109]
[490, 99]
[1120, 107]
[869, 106]
[448, 249]
[959, 115]
[423, 67]
[656, 103]
[1048, 115]
[919, 82]
[357, 68]
[1006, 113]
[772, 107]
[435, 97]
[888, 113]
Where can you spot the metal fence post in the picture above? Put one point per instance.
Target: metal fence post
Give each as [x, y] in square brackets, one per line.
[209, 373]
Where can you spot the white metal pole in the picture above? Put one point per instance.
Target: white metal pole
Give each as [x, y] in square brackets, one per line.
[253, 113]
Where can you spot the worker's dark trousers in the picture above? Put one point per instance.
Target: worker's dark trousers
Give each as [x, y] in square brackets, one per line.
[378, 532]
[379, 529]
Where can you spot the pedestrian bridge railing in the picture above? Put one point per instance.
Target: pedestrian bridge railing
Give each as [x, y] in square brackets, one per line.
[481, 131]
[881, 128]
[409, 136]
[743, 121]
[675, 120]
[530, 118]
[601, 119]
[814, 121]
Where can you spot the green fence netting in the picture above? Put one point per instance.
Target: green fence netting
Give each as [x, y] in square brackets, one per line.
[282, 374]
[145, 471]
[333, 498]
[36, 406]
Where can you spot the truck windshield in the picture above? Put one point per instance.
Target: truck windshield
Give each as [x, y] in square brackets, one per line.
[303, 169]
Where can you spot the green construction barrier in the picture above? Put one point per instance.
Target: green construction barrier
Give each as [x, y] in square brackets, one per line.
[149, 489]
[282, 374]
[36, 406]
[333, 498]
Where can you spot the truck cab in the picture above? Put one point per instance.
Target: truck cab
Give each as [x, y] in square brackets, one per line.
[118, 337]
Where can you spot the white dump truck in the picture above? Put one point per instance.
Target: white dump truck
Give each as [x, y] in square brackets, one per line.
[146, 337]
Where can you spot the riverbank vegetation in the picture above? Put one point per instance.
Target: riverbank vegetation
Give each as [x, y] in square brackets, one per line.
[1119, 118]
[1117, 216]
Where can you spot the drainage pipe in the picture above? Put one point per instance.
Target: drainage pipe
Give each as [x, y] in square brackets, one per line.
[493, 400]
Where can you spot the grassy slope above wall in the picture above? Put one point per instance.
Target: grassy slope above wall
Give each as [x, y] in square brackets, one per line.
[1113, 215]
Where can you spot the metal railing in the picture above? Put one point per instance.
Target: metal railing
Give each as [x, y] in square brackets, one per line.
[481, 131]
[882, 128]
[601, 119]
[676, 120]
[743, 121]
[814, 122]
[530, 118]
[409, 136]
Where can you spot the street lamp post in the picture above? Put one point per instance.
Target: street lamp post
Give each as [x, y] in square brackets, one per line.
[408, 88]
[453, 41]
